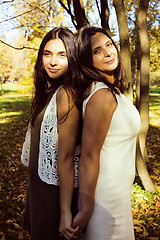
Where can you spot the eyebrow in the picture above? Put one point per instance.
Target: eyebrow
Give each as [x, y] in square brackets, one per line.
[100, 46]
[62, 52]
[45, 50]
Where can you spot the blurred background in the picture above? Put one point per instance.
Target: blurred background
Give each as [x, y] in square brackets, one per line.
[135, 27]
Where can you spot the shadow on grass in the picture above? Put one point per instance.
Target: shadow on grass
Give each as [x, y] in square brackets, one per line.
[14, 114]
[9, 91]
[14, 175]
[154, 90]
[12, 104]
[154, 101]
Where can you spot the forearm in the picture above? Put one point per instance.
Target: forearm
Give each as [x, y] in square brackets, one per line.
[66, 183]
[88, 175]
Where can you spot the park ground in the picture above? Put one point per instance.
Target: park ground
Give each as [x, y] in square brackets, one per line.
[14, 113]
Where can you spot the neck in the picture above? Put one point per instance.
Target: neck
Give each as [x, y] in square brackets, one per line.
[110, 78]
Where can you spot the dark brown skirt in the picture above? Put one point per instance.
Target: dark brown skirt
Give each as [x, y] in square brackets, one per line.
[42, 213]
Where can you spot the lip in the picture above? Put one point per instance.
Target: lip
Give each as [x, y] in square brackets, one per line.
[110, 61]
[53, 70]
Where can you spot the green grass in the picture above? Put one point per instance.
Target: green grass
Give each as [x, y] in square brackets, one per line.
[154, 108]
[154, 90]
[14, 109]
[8, 88]
[15, 88]
[14, 113]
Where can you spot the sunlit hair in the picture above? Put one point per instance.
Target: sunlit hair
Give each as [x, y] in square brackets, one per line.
[43, 83]
[85, 60]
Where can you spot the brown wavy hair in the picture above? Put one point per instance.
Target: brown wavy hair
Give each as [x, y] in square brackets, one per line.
[41, 78]
[91, 74]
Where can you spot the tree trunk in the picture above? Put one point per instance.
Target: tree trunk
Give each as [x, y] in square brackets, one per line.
[144, 71]
[80, 15]
[144, 94]
[138, 57]
[105, 15]
[124, 42]
[142, 170]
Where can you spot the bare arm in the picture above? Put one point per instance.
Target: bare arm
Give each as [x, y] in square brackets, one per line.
[97, 120]
[67, 136]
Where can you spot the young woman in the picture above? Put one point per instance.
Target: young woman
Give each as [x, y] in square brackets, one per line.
[50, 145]
[111, 124]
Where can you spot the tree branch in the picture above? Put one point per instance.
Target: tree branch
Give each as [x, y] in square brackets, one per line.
[35, 7]
[68, 10]
[6, 2]
[98, 9]
[17, 48]
[8, 19]
[134, 21]
[20, 14]
[105, 15]
[72, 16]
[80, 15]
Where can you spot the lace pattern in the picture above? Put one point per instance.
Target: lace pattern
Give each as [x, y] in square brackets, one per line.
[26, 147]
[48, 147]
[76, 164]
[47, 162]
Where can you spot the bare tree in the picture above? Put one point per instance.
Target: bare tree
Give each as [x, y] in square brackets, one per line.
[105, 15]
[124, 42]
[144, 94]
[79, 12]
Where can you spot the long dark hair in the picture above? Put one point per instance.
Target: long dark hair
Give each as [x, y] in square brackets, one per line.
[41, 78]
[91, 74]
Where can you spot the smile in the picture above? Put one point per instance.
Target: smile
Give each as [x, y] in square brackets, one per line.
[109, 62]
[53, 70]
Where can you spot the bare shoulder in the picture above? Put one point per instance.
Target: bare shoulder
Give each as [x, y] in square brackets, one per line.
[66, 104]
[103, 99]
[65, 96]
[97, 118]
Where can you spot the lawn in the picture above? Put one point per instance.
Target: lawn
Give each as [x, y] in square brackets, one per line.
[14, 113]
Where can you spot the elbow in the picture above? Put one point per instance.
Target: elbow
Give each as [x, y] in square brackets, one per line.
[87, 159]
[66, 160]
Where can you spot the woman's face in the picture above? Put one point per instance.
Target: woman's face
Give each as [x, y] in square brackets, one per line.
[55, 58]
[104, 53]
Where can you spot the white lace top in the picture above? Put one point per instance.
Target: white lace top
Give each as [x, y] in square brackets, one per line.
[48, 146]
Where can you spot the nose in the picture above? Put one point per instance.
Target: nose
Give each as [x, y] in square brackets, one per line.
[106, 53]
[53, 61]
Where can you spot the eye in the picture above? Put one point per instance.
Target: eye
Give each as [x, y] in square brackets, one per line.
[96, 51]
[63, 54]
[109, 44]
[46, 53]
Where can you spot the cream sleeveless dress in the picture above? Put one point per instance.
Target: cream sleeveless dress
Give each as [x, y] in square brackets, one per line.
[112, 214]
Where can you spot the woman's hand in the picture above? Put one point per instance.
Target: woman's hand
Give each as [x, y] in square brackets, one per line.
[65, 227]
[81, 219]
[83, 216]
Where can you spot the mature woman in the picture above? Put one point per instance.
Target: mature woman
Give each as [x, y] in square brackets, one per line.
[51, 139]
[111, 124]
